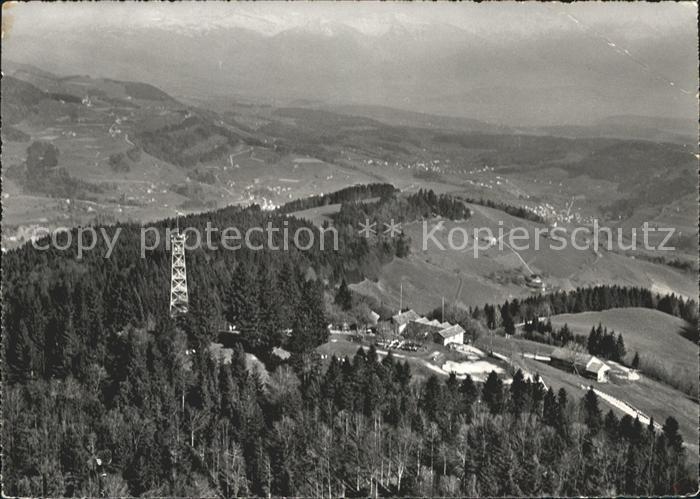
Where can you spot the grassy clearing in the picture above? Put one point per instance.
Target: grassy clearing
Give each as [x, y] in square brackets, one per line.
[512, 346]
[665, 354]
[432, 272]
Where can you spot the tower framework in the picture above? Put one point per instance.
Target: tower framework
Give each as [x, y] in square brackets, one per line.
[179, 302]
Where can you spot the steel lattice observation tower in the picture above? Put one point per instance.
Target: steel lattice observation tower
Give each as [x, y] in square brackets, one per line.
[179, 301]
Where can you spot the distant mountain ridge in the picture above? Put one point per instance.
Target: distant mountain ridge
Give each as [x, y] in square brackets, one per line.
[652, 128]
[401, 117]
[555, 80]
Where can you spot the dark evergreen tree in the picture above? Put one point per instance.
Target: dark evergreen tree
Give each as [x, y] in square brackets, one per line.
[519, 396]
[673, 437]
[619, 351]
[343, 298]
[592, 415]
[537, 394]
[431, 399]
[469, 394]
[550, 409]
[492, 393]
[508, 324]
[635, 361]
[611, 425]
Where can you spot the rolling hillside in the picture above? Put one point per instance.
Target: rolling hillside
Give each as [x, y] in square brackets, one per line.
[498, 274]
[132, 152]
[649, 332]
[142, 154]
[664, 353]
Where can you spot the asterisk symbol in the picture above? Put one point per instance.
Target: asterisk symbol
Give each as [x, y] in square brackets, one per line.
[367, 228]
[393, 229]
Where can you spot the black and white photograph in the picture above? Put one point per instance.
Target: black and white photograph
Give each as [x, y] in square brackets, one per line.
[324, 249]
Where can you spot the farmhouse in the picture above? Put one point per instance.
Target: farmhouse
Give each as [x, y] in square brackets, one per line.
[582, 363]
[451, 334]
[534, 281]
[421, 328]
[402, 319]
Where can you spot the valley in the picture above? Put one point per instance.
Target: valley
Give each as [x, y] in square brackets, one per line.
[141, 155]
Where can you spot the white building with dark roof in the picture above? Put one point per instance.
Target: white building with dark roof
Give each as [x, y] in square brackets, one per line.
[584, 364]
[451, 334]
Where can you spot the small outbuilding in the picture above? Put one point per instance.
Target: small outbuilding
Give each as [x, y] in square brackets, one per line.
[584, 364]
[451, 334]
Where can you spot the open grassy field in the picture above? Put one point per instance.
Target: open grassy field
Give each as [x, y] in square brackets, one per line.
[649, 332]
[663, 352]
[424, 285]
[512, 346]
[437, 269]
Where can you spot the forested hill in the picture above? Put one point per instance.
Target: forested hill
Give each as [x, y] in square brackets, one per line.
[58, 306]
[105, 395]
[58, 309]
[349, 194]
[380, 203]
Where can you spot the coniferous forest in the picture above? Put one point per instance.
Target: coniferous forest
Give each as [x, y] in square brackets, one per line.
[105, 395]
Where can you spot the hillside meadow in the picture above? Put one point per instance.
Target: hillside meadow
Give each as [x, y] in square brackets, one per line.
[664, 353]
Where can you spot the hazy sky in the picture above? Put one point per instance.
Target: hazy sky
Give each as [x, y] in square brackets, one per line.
[368, 17]
[505, 62]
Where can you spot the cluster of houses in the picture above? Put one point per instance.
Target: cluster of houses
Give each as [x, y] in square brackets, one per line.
[412, 326]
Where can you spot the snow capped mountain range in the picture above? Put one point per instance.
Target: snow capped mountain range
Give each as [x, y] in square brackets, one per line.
[517, 66]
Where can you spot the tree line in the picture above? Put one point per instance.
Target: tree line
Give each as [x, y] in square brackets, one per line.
[589, 299]
[543, 332]
[599, 342]
[423, 204]
[346, 195]
[516, 211]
